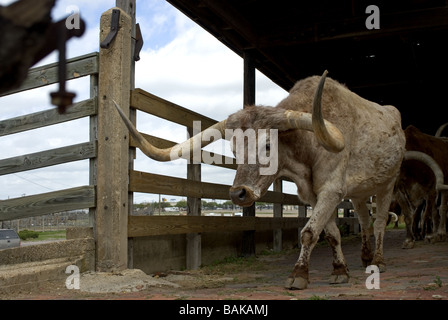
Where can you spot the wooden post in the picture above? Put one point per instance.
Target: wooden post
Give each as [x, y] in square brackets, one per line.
[248, 246]
[302, 211]
[194, 247]
[130, 7]
[278, 213]
[113, 148]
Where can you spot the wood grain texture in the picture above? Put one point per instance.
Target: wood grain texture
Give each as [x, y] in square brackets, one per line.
[48, 117]
[53, 202]
[112, 178]
[48, 158]
[149, 103]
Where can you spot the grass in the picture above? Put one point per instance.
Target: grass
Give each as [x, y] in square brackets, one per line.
[49, 235]
[401, 225]
[438, 281]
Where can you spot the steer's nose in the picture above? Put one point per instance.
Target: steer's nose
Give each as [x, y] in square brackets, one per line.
[243, 196]
[238, 195]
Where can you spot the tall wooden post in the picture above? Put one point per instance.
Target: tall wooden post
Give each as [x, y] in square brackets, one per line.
[278, 213]
[248, 246]
[130, 7]
[113, 147]
[194, 247]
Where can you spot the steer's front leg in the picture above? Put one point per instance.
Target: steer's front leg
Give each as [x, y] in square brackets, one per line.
[322, 212]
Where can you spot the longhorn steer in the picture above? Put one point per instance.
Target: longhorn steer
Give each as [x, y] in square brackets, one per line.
[417, 185]
[354, 153]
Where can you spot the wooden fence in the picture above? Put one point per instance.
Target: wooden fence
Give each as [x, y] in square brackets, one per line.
[63, 200]
[112, 177]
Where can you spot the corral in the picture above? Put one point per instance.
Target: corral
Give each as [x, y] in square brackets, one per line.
[123, 241]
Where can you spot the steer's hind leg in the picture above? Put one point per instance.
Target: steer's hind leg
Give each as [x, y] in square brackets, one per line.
[333, 237]
[366, 230]
[383, 200]
[441, 228]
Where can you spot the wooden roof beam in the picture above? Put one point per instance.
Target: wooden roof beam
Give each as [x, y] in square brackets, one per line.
[390, 24]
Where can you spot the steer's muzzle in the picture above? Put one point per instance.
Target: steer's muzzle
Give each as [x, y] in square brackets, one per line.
[242, 196]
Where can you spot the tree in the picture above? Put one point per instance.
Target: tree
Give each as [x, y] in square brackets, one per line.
[181, 204]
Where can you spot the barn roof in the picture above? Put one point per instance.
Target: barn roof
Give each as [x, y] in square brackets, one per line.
[403, 63]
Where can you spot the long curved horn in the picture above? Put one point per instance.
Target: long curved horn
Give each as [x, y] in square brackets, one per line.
[394, 216]
[194, 144]
[430, 162]
[303, 120]
[328, 137]
[440, 130]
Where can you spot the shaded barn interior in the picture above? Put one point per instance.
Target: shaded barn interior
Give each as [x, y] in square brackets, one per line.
[403, 63]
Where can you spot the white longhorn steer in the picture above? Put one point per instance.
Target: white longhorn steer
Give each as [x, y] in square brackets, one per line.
[333, 144]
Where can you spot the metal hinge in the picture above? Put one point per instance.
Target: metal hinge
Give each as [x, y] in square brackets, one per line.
[138, 42]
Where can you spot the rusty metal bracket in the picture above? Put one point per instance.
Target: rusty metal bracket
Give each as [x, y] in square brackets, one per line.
[138, 42]
[114, 25]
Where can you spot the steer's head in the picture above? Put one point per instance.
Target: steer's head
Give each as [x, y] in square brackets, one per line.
[260, 143]
[255, 143]
[255, 135]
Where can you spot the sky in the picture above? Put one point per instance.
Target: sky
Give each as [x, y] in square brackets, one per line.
[180, 62]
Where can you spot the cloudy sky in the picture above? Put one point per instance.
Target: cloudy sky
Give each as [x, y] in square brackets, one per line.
[180, 62]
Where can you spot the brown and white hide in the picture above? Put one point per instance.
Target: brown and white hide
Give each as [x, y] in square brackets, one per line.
[368, 165]
[416, 186]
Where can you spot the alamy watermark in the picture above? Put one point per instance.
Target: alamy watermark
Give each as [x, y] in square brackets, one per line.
[373, 21]
[373, 280]
[249, 147]
[73, 280]
[73, 21]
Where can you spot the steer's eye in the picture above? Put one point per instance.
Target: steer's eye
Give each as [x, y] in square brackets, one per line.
[267, 149]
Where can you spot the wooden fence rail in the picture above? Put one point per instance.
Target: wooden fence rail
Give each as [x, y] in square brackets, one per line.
[143, 226]
[43, 76]
[48, 158]
[154, 183]
[43, 204]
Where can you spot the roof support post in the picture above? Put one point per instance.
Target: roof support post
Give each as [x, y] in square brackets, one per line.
[278, 213]
[194, 247]
[248, 245]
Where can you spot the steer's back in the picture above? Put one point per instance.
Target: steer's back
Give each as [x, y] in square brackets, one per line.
[374, 138]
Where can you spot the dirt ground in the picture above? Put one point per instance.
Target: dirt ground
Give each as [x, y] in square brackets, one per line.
[412, 274]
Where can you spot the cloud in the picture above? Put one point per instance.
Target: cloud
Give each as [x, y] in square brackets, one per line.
[194, 71]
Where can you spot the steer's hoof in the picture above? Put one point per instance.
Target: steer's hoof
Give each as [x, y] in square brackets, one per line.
[339, 278]
[382, 267]
[441, 237]
[408, 244]
[297, 283]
